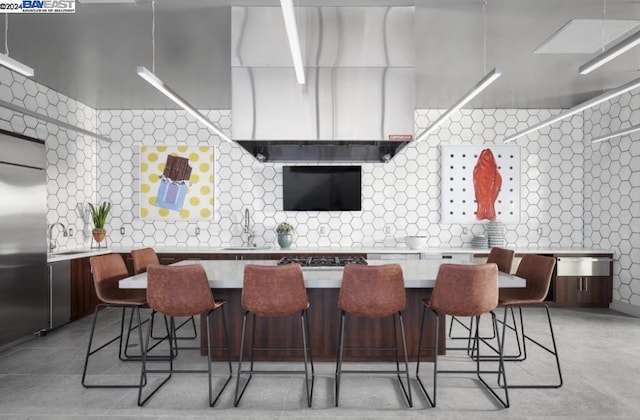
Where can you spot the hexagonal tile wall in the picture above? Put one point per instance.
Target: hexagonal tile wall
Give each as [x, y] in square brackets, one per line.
[612, 193]
[399, 198]
[70, 156]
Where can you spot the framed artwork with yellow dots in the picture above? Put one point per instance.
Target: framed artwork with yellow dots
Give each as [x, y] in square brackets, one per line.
[176, 182]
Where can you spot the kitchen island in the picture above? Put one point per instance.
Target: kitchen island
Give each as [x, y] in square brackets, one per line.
[568, 288]
[323, 286]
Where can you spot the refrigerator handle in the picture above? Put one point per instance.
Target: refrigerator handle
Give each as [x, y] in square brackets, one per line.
[50, 295]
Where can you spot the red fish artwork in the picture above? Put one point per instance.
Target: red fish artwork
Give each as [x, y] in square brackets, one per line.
[486, 183]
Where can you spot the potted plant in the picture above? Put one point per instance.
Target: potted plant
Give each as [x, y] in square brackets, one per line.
[285, 235]
[99, 215]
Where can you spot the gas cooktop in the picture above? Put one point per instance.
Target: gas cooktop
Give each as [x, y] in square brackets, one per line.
[309, 262]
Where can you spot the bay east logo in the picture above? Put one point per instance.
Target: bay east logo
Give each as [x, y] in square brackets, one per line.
[48, 6]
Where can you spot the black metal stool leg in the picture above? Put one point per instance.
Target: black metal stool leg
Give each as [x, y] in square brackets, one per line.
[213, 400]
[339, 359]
[145, 371]
[553, 351]
[501, 368]
[339, 371]
[190, 320]
[432, 402]
[407, 392]
[303, 324]
[91, 352]
[306, 348]
[239, 393]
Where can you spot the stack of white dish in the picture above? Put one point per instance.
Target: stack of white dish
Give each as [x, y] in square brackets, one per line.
[416, 242]
[495, 232]
[479, 242]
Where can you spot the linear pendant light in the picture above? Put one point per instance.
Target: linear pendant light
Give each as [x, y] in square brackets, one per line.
[489, 78]
[171, 94]
[46, 118]
[9, 62]
[613, 52]
[578, 108]
[624, 132]
[294, 41]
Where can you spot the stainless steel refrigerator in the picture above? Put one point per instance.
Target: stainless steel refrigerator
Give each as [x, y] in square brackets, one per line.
[24, 286]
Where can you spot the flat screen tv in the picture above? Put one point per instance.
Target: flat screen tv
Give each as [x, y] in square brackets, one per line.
[322, 188]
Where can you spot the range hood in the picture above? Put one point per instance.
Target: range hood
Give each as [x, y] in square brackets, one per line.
[358, 101]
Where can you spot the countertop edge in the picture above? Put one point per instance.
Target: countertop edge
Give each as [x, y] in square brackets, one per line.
[70, 254]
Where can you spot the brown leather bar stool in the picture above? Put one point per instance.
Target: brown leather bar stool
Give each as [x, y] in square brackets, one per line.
[375, 291]
[464, 290]
[178, 292]
[107, 270]
[142, 258]
[537, 270]
[503, 258]
[275, 291]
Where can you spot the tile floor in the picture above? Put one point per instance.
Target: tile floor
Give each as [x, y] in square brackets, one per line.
[599, 349]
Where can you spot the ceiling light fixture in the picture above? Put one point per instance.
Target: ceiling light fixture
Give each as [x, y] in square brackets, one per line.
[9, 62]
[578, 108]
[46, 118]
[613, 52]
[171, 94]
[154, 81]
[294, 41]
[489, 78]
[624, 132]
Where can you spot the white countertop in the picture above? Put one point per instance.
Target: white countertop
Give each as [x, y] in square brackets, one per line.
[228, 274]
[68, 254]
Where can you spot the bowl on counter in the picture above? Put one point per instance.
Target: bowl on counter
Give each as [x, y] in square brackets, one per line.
[416, 242]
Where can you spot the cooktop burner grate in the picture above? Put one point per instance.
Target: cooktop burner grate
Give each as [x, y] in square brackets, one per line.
[323, 261]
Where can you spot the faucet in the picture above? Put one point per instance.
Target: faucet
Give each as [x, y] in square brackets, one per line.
[247, 230]
[52, 242]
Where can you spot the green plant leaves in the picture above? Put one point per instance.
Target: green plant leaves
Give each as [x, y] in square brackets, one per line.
[99, 214]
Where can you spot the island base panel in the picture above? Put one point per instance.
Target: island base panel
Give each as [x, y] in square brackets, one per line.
[324, 325]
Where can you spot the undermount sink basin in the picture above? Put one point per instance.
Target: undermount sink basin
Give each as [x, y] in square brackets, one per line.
[246, 248]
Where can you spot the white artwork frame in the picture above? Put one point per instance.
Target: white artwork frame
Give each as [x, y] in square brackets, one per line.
[458, 203]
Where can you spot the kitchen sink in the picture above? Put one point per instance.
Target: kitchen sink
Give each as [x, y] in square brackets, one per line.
[246, 248]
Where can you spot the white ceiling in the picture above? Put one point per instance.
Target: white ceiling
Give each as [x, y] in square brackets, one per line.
[91, 55]
[586, 36]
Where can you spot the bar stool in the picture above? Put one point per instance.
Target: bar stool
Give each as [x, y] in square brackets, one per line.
[464, 290]
[503, 258]
[182, 291]
[142, 258]
[107, 270]
[275, 291]
[537, 270]
[373, 292]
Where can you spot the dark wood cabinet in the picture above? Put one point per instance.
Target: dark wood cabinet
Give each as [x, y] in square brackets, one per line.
[324, 325]
[83, 293]
[585, 281]
[579, 280]
[583, 291]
